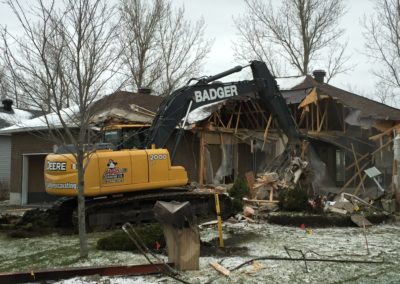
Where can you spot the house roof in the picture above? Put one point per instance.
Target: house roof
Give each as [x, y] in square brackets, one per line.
[42, 122]
[124, 100]
[16, 116]
[368, 107]
[122, 103]
[126, 107]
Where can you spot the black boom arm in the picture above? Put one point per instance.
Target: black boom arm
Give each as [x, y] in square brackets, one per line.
[206, 91]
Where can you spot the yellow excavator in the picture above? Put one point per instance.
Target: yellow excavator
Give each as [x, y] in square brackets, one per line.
[123, 184]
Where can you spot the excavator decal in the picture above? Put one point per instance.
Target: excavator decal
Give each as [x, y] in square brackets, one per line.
[213, 94]
[113, 174]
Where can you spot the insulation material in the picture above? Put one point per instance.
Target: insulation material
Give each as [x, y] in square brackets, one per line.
[209, 167]
[280, 146]
[226, 167]
[396, 148]
[203, 112]
[312, 97]
[122, 115]
[355, 118]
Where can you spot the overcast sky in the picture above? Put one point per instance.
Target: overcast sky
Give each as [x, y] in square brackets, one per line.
[219, 26]
[218, 17]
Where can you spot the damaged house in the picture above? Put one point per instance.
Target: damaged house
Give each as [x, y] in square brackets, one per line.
[238, 136]
[348, 134]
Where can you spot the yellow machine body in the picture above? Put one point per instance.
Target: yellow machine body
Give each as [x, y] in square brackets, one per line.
[113, 172]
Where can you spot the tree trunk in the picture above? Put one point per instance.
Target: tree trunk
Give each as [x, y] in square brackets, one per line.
[81, 207]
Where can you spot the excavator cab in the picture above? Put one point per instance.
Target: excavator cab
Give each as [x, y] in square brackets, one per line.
[125, 136]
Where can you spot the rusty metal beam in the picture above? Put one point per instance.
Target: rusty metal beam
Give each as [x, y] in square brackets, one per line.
[70, 272]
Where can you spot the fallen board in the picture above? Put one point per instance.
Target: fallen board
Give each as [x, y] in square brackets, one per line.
[70, 272]
[360, 221]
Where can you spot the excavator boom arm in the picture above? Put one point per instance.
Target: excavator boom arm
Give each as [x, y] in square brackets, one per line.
[206, 91]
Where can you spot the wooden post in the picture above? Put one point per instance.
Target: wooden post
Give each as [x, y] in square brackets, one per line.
[266, 131]
[219, 220]
[318, 116]
[238, 118]
[183, 246]
[354, 176]
[312, 116]
[358, 167]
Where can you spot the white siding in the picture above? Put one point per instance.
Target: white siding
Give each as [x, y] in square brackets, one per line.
[5, 158]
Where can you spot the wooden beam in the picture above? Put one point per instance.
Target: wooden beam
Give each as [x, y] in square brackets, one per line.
[266, 131]
[238, 118]
[318, 115]
[312, 116]
[230, 121]
[253, 118]
[357, 166]
[359, 160]
[259, 110]
[354, 176]
[359, 185]
[219, 119]
[322, 121]
[386, 132]
[382, 146]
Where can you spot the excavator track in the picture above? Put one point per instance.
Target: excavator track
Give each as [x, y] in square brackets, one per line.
[108, 213]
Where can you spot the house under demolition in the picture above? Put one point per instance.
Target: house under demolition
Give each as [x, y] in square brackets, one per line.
[346, 134]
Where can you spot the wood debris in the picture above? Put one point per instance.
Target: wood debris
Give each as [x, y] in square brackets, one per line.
[218, 267]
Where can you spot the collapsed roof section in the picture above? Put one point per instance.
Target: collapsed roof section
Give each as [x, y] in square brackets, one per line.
[125, 107]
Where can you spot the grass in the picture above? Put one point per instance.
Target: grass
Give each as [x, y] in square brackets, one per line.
[54, 250]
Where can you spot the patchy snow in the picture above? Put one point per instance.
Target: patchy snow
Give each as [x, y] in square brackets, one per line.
[289, 83]
[44, 121]
[203, 112]
[16, 117]
[256, 239]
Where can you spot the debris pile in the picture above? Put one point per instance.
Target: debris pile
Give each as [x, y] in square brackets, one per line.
[347, 204]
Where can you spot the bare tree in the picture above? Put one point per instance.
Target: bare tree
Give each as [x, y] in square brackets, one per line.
[382, 35]
[4, 86]
[304, 33]
[161, 48]
[65, 57]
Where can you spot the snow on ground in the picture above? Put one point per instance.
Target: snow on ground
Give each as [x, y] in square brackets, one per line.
[255, 240]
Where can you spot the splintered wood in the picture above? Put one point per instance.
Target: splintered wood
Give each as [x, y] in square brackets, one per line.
[218, 267]
[265, 186]
[264, 189]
